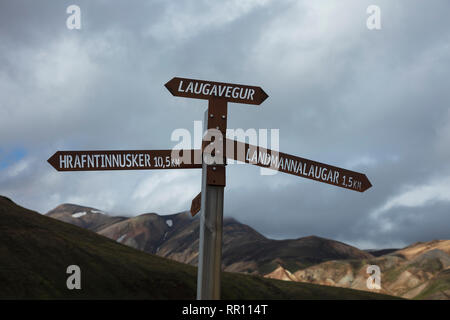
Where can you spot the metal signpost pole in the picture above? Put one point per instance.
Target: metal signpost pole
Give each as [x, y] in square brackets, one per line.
[210, 244]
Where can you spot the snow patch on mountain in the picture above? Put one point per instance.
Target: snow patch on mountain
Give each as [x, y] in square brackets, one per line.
[121, 237]
[78, 214]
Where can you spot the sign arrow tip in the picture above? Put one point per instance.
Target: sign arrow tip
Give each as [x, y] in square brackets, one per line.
[264, 95]
[53, 161]
[170, 85]
[369, 185]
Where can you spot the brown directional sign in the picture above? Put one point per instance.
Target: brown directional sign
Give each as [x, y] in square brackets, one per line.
[200, 89]
[124, 160]
[301, 167]
[196, 204]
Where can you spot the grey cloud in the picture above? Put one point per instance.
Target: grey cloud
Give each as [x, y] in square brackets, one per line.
[339, 94]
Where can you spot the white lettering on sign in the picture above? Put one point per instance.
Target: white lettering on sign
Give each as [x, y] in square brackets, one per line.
[217, 90]
[128, 160]
[293, 166]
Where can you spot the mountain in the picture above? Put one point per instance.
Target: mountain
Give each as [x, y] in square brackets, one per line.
[244, 249]
[380, 252]
[420, 271]
[85, 217]
[420, 248]
[267, 255]
[35, 251]
[148, 232]
[417, 271]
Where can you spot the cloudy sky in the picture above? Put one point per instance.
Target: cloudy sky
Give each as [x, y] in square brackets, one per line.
[373, 101]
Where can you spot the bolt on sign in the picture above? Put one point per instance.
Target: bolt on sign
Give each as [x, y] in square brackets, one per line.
[212, 160]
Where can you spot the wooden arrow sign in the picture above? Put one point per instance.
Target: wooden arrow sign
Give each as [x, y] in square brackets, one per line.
[124, 160]
[196, 204]
[301, 167]
[199, 89]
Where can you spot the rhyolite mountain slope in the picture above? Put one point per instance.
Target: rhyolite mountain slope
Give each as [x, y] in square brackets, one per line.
[420, 271]
[417, 271]
[380, 252]
[35, 251]
[244, 249]
[85, 217]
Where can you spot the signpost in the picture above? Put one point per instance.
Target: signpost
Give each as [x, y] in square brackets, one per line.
[199, 89]
[210, 200]
[122, 160]
[290, 164]
[300, 167]
[196, 204]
